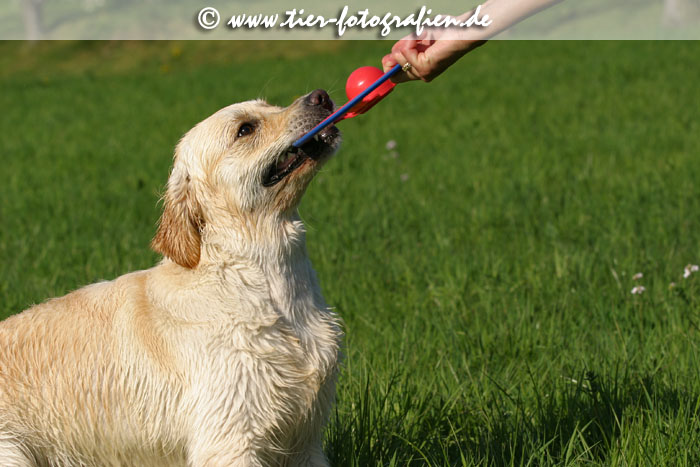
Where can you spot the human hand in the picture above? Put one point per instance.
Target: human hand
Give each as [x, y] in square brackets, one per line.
[428, 55]
[436, 49]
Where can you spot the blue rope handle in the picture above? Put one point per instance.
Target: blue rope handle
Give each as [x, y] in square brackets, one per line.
[335, 116]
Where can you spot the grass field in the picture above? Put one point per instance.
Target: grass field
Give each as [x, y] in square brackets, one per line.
[483, 267]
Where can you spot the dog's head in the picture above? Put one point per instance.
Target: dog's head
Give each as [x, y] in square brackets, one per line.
[237, 169]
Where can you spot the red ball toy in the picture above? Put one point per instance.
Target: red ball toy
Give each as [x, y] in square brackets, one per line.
[361, 79]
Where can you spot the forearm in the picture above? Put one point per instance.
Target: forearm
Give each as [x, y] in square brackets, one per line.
[437, 49]
[502, 14]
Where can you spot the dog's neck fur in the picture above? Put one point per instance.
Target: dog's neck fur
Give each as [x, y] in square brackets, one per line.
[272, 256]
[275, 271]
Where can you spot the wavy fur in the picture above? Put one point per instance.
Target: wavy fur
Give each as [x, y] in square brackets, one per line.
[224, 354]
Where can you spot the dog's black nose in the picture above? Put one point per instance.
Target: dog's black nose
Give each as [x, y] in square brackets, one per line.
[320, 97]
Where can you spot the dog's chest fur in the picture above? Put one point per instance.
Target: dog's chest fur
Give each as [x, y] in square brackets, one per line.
[235, 356]
[266, 361]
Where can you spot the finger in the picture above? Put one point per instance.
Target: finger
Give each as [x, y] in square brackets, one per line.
[388, 62]
[408, 42]
[415, 58]
[403, 76]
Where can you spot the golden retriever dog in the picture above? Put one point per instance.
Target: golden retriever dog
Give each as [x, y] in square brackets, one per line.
[224, 354]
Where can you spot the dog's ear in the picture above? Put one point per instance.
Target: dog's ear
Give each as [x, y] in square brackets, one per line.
[178, 236]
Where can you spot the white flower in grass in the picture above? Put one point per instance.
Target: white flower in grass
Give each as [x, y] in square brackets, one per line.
[391, 144]
[689, 269]
[637, 276]
[638, 290]
[671, 285]
[404, 177]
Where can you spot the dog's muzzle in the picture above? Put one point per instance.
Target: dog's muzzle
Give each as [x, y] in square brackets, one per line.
[316, 106]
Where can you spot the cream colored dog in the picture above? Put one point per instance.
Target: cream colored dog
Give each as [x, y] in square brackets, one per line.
[223, 354]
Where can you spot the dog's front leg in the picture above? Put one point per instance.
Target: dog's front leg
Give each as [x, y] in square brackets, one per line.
[217, 442]
[311, 453]
[312, 456]
[224, 456]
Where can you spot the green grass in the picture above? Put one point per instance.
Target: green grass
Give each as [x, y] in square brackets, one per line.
[483, 270]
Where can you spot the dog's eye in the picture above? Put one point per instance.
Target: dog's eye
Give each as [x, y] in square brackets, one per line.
[246, 129]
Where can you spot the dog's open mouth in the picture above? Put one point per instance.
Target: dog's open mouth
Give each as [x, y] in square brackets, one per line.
[320, 146]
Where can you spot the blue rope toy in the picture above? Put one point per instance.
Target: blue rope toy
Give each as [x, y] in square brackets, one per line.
[340, 113]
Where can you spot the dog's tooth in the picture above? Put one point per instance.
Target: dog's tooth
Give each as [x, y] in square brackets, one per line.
[286, 155]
